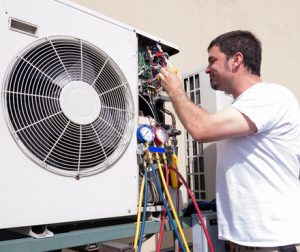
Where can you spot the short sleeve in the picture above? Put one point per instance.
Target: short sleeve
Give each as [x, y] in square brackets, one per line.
[264, 104]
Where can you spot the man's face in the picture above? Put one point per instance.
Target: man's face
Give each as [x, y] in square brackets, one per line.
[218, 69]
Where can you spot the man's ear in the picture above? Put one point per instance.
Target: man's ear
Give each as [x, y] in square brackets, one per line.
[238, 59]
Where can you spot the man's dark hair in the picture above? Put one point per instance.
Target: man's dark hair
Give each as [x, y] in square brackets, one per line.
[244, 42]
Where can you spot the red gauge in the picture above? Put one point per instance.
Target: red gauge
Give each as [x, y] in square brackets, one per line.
[161, 135]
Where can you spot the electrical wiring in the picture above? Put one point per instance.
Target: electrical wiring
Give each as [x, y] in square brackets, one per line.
[170, 201]
[153, 106]
[166, 207]
[144, 209]
[148, 105]
[137, 231]
[197, 209]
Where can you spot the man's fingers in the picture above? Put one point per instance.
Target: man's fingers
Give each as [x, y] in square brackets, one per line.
[167, 68]
[164, 72]
[160, 76]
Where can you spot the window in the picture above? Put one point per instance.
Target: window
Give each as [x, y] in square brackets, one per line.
[194, 149]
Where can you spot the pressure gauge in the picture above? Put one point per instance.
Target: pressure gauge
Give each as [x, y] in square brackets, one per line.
[161, 135]
[145, 133]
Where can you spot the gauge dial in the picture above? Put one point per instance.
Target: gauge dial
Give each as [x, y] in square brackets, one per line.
[145, 133]
[161, 135]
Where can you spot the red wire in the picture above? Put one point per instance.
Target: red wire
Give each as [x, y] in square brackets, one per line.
[197, 209]
[162, 224]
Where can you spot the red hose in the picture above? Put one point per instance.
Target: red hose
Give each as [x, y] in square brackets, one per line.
[197, 209]
[161, 231]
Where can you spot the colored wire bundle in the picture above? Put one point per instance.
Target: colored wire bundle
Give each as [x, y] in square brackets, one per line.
[175, 226]
[153, 106]
[167, 209]
[150, 107]
[171, 202]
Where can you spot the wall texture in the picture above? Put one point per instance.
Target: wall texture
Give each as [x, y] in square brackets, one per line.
[193, 24]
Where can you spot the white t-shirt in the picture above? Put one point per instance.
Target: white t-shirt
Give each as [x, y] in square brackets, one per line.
[258, 186]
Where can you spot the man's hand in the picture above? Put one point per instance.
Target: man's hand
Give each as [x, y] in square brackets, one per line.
[169, 81]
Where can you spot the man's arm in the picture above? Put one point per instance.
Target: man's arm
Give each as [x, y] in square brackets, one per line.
[200, 124]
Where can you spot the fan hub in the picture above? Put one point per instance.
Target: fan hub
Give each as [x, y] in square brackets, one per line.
[80, 102]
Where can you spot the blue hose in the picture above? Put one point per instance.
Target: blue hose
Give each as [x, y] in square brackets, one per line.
[144, 210]
[173, 224]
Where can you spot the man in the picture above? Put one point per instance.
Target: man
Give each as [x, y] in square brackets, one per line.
[258, 166]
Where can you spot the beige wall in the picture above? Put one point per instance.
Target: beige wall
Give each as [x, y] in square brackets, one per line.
[192, 24]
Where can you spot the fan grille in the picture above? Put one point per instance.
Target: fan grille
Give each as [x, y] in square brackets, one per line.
[31, 96]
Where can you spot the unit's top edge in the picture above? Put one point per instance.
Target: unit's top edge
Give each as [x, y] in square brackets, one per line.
[173, 49]
[167, 46]
[94, 13]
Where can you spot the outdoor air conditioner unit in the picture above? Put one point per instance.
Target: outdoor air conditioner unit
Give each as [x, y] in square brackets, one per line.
[69, 102]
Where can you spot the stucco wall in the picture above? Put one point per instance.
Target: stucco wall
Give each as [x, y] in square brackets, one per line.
[193, 24]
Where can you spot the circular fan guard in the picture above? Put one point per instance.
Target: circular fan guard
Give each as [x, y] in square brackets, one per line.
[32, 103]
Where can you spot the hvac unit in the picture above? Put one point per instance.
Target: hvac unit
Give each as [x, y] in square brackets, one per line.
[69, 102]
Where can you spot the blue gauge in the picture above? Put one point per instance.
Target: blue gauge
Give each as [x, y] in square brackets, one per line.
[145, 133]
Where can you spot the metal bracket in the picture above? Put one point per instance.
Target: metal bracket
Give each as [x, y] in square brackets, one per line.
[43, 232]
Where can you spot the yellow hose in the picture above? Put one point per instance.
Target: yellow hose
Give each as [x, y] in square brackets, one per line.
[173, 175]
[171, 203]
[138, 221]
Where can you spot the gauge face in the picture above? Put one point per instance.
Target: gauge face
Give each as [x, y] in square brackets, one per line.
[145, 134]
[161, 135]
